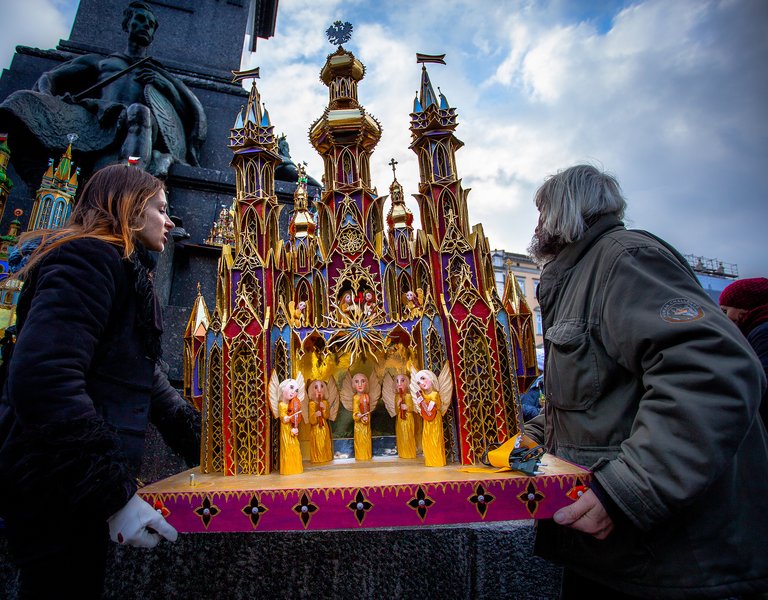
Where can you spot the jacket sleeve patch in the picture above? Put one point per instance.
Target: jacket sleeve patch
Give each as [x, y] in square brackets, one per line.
[681, 310]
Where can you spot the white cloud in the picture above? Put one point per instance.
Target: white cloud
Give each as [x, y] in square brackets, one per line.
[36, 23]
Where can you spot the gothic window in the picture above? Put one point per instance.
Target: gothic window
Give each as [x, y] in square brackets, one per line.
[365, 169]
[402, 247]
[57, 220]
[45, 213]
[301, 256]
[421, 277]
[347, 167]
[440, 162]
[479, 393]
[213, 439]
[508, 384]
[251, 178]
[424, 166]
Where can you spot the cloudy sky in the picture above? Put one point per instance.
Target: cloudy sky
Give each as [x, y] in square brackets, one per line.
[669, 96]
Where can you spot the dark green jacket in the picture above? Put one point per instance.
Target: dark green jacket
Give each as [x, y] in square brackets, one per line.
[649, 385]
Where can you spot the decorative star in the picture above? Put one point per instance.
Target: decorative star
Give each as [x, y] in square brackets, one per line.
[304, 509]
[206, 511]
[254, 509]
[421, 503]
[531, 497]
[357, 336]
[481, 499]
[360, 506]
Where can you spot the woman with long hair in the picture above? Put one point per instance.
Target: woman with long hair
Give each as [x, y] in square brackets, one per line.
[84, 380]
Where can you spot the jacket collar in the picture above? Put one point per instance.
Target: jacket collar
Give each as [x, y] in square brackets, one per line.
[556, 269]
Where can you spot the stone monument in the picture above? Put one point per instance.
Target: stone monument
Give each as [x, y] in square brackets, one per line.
[151, 80]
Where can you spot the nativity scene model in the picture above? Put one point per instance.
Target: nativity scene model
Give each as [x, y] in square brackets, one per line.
[355, 293]
[357, 342]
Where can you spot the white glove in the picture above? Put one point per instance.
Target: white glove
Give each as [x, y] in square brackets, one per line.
[138, 524]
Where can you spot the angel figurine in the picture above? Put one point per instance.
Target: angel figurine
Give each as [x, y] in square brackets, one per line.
[369, 303]
[347, 306]
[359, 395]
[412, 304]
[398, 400]
[320, 407]
[286, 398]
[432, 397]
[298, 313]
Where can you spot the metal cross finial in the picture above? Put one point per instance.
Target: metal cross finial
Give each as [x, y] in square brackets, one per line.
[392, 164]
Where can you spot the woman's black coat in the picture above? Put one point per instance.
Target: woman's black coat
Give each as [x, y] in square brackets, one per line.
[83, 382]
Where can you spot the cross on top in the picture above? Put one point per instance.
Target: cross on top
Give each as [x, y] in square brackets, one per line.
[392, 164]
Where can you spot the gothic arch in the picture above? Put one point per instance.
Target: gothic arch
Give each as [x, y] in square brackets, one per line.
[480, 396]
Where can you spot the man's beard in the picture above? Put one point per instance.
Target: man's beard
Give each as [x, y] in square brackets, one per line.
[544, 247]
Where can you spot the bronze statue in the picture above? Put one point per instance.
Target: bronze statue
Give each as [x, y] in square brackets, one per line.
[122, 105]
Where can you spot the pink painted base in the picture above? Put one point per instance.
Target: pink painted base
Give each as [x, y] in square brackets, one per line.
[386, 493]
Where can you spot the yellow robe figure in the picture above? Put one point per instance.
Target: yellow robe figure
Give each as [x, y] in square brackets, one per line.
[432, 440]
[290, 449]
[361, 403]
[405, 427]
[320, 442]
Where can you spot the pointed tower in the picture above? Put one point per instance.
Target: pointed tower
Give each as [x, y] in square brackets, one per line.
[303, 258]
[399, 252]
[522, 328]
[349, 212]
[457, 261]
[194, 351]
[6, 185]
[56, 195]
[237, 422]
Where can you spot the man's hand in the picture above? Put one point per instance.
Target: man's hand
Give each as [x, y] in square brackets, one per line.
[587, 515]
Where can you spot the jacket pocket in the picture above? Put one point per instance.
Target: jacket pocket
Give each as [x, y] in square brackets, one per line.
[572, 381]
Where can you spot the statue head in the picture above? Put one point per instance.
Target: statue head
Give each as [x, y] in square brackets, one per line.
[317, 389]
[426, 380]
[360, 383]
[288, 389]
[140, 23]
[401, 383]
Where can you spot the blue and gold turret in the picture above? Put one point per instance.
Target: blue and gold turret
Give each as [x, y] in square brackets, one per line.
[56, 195]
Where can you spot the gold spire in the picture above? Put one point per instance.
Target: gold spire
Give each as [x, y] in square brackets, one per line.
[399, 215]
[302, 221]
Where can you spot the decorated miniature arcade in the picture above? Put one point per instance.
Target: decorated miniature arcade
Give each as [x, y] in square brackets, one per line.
[397, 333]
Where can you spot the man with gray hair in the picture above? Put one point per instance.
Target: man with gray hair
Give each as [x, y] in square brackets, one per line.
[655, 391]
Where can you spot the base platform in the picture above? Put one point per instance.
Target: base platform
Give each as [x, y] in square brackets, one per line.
[344, 494]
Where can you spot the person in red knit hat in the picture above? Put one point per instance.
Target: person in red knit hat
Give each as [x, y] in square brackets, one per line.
[745, 302]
